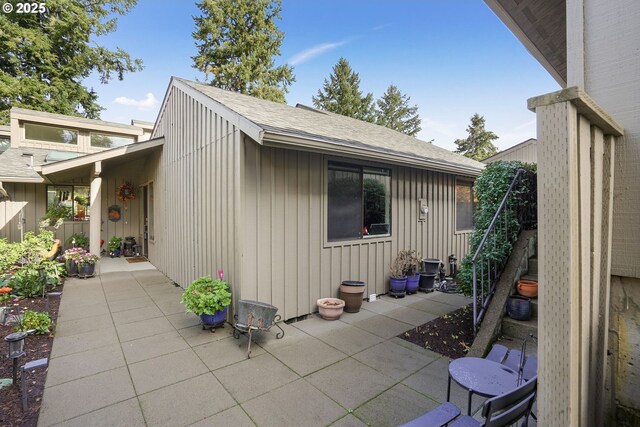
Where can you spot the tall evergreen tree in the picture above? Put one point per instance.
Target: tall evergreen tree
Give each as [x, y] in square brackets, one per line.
[479, 144]
[395, 113]
[341, 94]
[44, 56]
[237, 41]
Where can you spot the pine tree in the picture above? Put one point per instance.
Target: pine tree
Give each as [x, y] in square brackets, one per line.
[237, 41]
[341, 94]
[44, 56]
[479, 144]
[395, 113]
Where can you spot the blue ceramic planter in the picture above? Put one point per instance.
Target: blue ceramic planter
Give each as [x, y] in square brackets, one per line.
[412, 283]
[216, 318]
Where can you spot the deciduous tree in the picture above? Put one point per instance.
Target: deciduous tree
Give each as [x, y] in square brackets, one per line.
[237, 41]
[479, 144]
[341, 94]
[395, 113]
[45, 56]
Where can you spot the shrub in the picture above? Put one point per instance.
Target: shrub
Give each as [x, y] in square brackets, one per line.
[55, 216]
[38, 320]
[79, 240]
[53, 271]
[489, 189]
[34, 247]
[9, 254]
[27, 283]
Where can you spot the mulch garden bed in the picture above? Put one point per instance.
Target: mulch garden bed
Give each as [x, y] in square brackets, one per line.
[450, 335]
[36, 347]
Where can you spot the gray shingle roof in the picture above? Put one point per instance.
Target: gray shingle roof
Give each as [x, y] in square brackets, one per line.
[14, 163]
[330, 128]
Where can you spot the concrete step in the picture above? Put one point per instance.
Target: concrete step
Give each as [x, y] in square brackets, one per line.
[533, 266]
[519, 329]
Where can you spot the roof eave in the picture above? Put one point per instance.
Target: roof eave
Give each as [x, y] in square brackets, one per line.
[283, 140]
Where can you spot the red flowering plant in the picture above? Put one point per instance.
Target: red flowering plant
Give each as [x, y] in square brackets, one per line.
[4, 294]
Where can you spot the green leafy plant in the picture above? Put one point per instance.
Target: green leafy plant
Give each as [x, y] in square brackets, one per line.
[53, 271]
[55, 216]
[206, 295]
[9, 254]
[79, 240]
[115, 243]
[490, 188]
[34, 247]
[38, 320]
[27, 282]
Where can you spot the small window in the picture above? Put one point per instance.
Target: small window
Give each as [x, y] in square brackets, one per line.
[50, 134]
[359, 202]
[110, 141]
[75, 197]
[465, 205]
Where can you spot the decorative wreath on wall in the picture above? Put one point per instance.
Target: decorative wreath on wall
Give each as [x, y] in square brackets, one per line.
[126, 192]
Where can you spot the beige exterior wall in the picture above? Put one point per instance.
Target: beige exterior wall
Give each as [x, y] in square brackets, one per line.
[288, 262]
[197, 204]
[525, 152]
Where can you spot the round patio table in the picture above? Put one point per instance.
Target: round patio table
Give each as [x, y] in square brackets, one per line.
[481, 376]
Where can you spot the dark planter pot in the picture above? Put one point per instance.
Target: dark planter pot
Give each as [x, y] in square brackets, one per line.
[72, 267]
[426, 282]
[413, 283]
[519, 307]
[431, 265]
[215, 319]
[352, 292]
[86, 270]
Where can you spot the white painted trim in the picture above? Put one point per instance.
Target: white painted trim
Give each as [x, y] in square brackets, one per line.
[575, 43]
[38, 117]
[95, 157]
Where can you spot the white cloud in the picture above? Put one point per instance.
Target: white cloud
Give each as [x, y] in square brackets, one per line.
[380, 27]
[314, 51]
[149, 101]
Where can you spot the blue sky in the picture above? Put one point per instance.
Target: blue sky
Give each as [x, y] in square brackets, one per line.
[453, 58]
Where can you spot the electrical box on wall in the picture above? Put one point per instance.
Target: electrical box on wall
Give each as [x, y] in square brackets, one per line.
[424, 209]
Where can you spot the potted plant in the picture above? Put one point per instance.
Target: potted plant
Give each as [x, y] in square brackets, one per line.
[86, 264]
[330, 308]
[79, 240]
[5, 292]
[412, 264]
[397, 277]
[70, 260]
[115, 246]
[208, 298]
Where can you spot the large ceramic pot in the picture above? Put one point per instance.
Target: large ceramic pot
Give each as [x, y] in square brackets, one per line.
[413, 283]
[215, 319]
[519, 307]
[528, 288]
[330, 308]
[397, 287]
[72, 267]
[352, 292]
[86, 270]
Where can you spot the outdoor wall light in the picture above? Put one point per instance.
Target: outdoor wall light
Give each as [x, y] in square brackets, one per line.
[16, 350]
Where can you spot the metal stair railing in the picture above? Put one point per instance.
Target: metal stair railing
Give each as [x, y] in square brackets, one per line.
[484, 282]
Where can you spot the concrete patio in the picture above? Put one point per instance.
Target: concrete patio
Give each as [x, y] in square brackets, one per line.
[125, 353]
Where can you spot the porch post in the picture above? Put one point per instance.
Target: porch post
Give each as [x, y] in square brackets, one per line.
[575, 178]
[96, 209]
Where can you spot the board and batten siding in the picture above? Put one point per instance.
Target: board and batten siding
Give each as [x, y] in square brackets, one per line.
[196, 185]
[286, 260]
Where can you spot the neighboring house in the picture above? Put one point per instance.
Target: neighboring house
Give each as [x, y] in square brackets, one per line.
[291, 201]
[526, 152]
[40, 140]
[589, 204]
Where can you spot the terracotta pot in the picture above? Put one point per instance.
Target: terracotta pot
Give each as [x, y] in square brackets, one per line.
[330, 308]
[528, 288]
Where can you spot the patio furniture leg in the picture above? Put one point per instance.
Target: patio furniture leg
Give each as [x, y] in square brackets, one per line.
[469, 403]
[249, 346]
[449, 388]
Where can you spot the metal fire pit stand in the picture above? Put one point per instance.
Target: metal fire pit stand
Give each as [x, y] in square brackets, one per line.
[254, 316]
